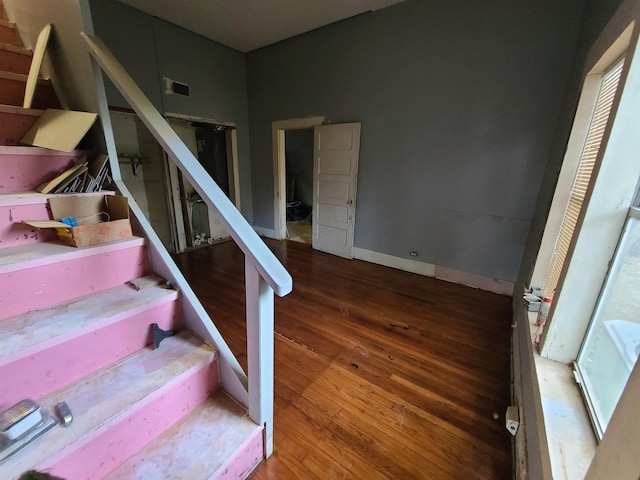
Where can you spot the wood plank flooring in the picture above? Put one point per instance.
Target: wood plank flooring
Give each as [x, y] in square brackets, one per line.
[380, 374]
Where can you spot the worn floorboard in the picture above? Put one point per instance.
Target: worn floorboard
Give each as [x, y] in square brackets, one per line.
[380, 374]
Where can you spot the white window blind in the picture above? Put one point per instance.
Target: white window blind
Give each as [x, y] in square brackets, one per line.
[590, 151]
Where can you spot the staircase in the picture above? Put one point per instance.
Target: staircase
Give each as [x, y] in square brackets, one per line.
[75, 327]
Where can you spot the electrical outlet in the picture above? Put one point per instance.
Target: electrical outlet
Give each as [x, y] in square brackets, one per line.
[512, 420]
[413, 254]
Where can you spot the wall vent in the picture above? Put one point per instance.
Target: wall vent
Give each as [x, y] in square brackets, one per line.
[171, 87]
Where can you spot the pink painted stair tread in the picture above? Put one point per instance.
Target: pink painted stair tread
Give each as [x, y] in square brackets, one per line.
[198, 446]
[44, 274]
[44, 350]
[24, 168]
[104, 403]
[14, 59]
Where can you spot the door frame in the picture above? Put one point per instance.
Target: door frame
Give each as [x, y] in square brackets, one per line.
[231, 138]
[278, 129]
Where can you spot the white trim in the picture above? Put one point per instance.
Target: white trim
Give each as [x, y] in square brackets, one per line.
[501, 287]
[266, 232]
[279, 178]
[405, 264]
[494, 285]
[598, 229]
[231, 137]
[570, 164]
[192, 118]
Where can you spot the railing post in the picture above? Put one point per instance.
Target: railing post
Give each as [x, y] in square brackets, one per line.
[260, 340]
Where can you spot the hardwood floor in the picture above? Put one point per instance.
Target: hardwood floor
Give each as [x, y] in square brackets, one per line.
[379, 374]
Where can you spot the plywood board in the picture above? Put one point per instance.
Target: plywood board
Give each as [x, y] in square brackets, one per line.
[59, 129]
[36, 63]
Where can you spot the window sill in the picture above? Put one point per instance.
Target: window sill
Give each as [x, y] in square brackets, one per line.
[570, 438]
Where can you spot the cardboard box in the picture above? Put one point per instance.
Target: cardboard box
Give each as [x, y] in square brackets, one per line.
[100, 219]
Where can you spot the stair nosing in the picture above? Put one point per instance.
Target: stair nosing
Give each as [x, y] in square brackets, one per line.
[64, 253]
[7, 23]
[20, 77]
[16, 49]
[39, 151]
[17, 110]
[36, 198]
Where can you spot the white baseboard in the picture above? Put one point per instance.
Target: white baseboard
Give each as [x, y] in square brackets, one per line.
[266, 232]
[502, 287]
[488, 284]
[405, 264]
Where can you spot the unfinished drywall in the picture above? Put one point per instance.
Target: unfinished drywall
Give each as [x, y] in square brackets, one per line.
[299, 163]
[458, 103]
[151, 49]
[66, 60]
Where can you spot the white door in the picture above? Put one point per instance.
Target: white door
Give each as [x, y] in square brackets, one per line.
[335, 175]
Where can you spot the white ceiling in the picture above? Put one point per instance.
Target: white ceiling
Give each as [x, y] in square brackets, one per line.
[249, 24]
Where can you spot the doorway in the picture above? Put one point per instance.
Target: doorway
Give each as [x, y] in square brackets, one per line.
[336, 149]
[299, 184]
[215, 147]
[278, 130]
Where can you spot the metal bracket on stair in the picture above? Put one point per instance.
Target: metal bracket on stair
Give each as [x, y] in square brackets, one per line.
[159, 334]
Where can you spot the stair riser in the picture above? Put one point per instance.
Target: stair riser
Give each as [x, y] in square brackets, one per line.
[48, 367]
[13, 126]
[9, 35]
[12, 93]
[14, 62]
[14, 233]
[112, 444]
[43, 286]
[244, 460]
[23, 173]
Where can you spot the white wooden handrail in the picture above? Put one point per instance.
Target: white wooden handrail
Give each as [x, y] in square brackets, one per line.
[264, 261]
[264, 274]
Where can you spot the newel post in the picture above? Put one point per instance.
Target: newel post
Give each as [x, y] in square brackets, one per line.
[260, 340]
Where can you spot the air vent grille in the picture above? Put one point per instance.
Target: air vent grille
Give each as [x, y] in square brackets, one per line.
[176, 88]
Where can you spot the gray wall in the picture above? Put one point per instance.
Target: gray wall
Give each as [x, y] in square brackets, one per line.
[458, 102]
[299, 156]
[150, 49]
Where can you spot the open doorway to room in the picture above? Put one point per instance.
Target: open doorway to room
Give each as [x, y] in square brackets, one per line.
[336, 150]
[283, 185]
[299, 184]
[214, 144]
